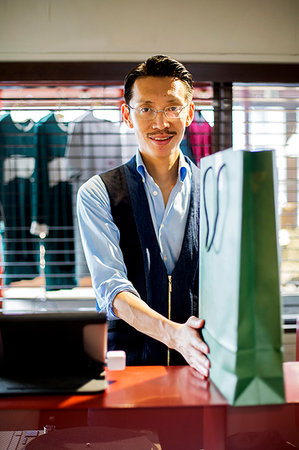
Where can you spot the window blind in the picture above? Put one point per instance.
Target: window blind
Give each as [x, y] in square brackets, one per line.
[266, 116]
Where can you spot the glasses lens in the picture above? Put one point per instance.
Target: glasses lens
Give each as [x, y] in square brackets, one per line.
[146, 113]
[173, 112]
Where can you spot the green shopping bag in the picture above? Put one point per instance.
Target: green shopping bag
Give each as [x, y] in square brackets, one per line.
[239, 276]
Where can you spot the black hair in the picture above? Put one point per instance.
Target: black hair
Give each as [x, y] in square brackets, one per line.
[158, 66]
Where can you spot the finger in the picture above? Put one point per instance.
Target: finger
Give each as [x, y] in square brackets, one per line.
[202, 364]
[200, 345]
[199, 378]
[195, 322]
[203, 372]
[204, 361]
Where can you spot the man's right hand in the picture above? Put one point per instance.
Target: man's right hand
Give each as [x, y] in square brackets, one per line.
[188, 342]
[184, 338]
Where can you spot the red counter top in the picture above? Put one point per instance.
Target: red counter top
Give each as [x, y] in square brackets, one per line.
[143, 387]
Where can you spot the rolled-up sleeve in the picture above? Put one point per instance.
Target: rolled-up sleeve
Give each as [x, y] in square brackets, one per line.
[100, 239]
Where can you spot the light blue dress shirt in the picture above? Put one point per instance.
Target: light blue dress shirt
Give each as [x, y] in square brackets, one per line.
[100, 235]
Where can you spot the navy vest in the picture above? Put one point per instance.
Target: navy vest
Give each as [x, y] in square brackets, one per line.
[145, 267]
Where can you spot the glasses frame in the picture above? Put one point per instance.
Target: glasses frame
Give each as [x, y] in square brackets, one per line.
[156, 111]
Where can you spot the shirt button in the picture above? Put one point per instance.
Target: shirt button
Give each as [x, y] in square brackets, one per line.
[155, 193]
[165, 258]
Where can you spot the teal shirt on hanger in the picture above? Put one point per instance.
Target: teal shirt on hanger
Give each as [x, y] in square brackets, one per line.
[18, 151]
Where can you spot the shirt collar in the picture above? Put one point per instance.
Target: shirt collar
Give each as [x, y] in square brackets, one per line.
[183, 166]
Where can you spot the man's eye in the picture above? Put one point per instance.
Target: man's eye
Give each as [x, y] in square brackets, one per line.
[145, 110]
[173, 108]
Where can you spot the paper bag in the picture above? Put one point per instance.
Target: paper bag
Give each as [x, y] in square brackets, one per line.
[239, 276]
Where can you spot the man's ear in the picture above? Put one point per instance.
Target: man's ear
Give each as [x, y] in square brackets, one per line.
[190, 115]
[125, 112]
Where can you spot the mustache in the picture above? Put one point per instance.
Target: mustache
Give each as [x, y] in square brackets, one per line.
[166, 132]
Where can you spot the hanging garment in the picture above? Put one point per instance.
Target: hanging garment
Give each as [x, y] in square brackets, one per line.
[52, 207]
[94, 146]
[18, 150]
[200, 137]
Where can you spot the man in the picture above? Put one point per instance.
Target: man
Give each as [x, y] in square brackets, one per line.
[139, 226]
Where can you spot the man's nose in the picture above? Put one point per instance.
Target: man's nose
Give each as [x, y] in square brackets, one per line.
[160, 121]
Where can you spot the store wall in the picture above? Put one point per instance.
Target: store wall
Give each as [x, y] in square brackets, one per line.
[117, 30]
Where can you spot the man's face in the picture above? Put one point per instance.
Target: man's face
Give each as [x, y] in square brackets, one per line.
[159, 137]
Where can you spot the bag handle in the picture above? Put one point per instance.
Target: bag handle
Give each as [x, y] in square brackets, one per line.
[208, 247]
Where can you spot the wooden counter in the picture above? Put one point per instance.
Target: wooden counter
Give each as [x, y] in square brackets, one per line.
[170, 402]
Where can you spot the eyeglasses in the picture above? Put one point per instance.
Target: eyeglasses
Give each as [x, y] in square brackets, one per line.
[171, 112]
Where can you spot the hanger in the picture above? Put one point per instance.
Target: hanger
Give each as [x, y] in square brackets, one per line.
[58, 113]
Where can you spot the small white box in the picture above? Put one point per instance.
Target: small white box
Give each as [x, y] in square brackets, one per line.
[116, 360]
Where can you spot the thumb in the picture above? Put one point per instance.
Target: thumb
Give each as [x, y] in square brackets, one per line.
[195, 322]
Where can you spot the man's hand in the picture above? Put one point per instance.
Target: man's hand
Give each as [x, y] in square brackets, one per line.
[188, 342]
[184, 338]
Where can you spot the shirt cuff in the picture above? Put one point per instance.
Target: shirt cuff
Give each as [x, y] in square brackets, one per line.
[113, 294]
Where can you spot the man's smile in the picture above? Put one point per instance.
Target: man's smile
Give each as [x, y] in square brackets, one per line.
[161, 138]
